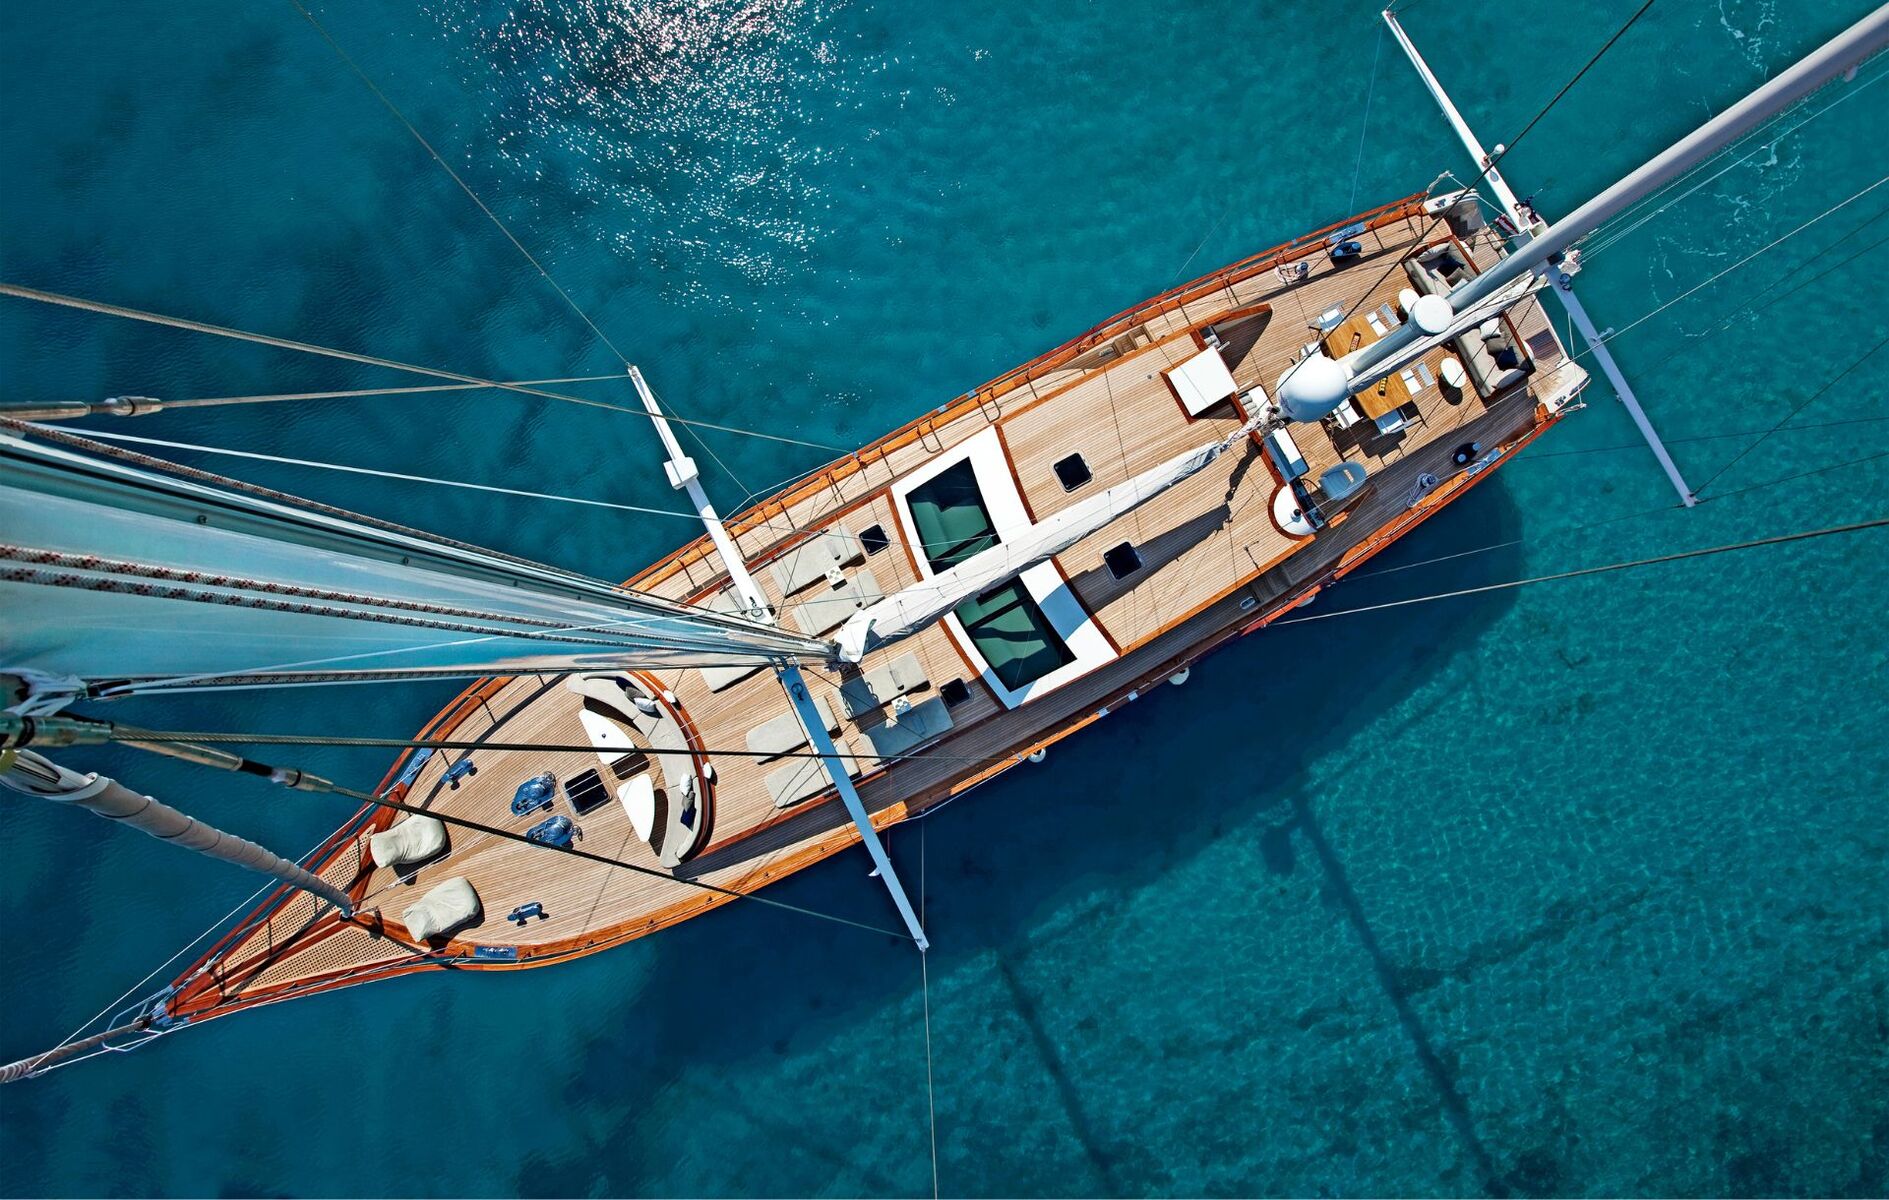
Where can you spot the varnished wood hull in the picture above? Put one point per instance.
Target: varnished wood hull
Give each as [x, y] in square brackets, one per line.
[1203, 595]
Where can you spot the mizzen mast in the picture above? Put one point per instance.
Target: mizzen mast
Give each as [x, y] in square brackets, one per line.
[1318, 385]
[1529, 224]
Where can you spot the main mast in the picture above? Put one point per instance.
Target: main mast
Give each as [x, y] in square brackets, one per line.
[115, 575]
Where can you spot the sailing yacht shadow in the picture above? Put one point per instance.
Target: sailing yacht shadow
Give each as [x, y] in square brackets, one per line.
[744, 984]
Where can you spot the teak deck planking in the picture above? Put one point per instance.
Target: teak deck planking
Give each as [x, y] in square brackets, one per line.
[1214, 565]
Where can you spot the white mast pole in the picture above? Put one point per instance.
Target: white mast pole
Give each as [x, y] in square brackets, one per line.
[179, 580]
[1563, 289]
[684, 477]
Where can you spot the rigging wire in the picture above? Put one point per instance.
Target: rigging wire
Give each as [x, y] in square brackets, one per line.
[1516, 541]
[709, 657]
[405, 478]
[1800, 407]
[1585, 68]
[1853, 462]
[1802, 284]
[583, 316]
[1702, 437]
[40, 296]
[1579, 572]
[1714, 278]
[1781, 426]
[463, 185]
[1571, 529]
[1757, 134]
[60, 410]
[772, 526]
[1364, 126]
[1752, 308]
[924, 975]
[155, 741]
[699, 441]
[122, 733]
[241, 906]
[1634, 217]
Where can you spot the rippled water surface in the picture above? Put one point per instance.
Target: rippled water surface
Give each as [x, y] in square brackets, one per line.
[1576, 888]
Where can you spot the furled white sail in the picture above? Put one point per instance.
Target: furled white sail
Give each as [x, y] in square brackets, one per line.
[906, 612]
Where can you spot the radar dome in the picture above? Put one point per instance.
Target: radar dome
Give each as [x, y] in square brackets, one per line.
[1313, 388]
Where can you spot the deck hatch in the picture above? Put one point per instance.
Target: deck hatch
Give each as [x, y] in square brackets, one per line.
[1123, 560]
[1013, 635]
[1072, 472]
[586, 790]
[952, 519]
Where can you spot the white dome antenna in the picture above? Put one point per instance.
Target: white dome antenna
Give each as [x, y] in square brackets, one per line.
[1312, 388]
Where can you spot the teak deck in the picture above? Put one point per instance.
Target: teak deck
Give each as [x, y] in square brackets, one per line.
[1215, 564]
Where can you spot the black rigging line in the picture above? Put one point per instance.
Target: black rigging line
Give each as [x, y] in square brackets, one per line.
[1806, 403]
[1831, 269]
[1702, 437]
[465, 187]
[1618, 34]
[1489, 164]
[1578, 572]
[1852, 462]
[1567, 529]
[119, 733]
[688, 427]
[295, 780]
[38, 295]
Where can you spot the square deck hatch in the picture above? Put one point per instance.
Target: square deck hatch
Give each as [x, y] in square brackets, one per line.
[1072, 472]
[1123, 560]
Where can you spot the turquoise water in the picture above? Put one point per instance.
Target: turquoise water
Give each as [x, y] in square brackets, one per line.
[1577, 888]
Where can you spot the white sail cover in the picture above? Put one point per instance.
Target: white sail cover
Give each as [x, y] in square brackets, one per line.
[906, 612]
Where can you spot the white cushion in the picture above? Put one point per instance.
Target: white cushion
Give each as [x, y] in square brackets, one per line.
[415, 839]
[638, 798]
[442, 910]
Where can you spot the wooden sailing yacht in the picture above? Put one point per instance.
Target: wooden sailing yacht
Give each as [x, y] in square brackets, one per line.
[887, 633]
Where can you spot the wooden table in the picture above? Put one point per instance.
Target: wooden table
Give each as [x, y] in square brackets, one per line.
[1387, 395]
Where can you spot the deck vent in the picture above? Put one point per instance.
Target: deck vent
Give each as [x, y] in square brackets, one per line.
[1124, 560]
[1073, 472]
[874, 539]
